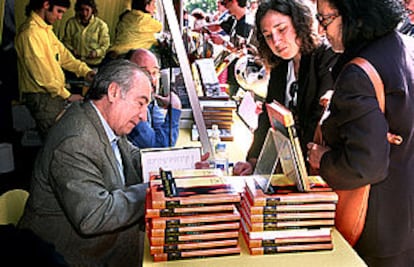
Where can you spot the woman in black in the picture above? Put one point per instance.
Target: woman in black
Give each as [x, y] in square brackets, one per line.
[300, 63]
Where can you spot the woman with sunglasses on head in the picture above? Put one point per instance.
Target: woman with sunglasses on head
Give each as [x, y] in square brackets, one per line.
[358, 151]
[300, 65]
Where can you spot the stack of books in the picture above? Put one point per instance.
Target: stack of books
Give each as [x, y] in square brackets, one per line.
[287, 220]
[219, 112]
[193, 217]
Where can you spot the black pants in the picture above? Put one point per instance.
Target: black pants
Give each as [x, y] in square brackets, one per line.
[405, 259]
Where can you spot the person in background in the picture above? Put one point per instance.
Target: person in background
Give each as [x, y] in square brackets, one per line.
[300, 64]
[199, 19]
[407, 26]
[137, 28]
[159, 129]
[86, 35]
[41, 58]
[87, 197]
[237, 32]
[357, 150]
[251, 13]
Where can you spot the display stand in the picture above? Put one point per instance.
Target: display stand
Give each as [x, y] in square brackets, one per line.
[278, 149]
[282, 147]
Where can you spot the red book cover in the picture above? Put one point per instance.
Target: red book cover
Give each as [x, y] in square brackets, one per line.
[278, 112]
[285, 233]
[263, 242]
[181, 239]
[188, 211]
[291, 248]
[204, 253]
[287, 224]
[191, 230]
[285, 208]
[284, 196]
[200, 191]
[196, 220]
[193, 246]
[286, 216]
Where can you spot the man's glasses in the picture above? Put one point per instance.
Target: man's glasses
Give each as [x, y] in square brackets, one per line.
[326, 20]
[409, 12]
[293, 92]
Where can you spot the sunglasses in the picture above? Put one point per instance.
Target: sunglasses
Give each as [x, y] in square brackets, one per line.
[326, 20]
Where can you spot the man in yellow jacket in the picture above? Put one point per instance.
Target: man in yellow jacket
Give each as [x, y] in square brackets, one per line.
[41, 57]
[137, 28]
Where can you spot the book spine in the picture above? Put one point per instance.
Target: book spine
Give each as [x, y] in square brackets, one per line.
[158, 241]
[196, 245]
[290, 248]
[164, 222]
[189, 211]
[194, 229]
[255, 227]
[197, 254]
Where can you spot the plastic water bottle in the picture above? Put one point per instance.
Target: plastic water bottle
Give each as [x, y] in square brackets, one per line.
[221, 159]
[214, 138]
[194, 133]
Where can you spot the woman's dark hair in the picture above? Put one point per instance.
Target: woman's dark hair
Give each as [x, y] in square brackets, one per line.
[90, 3]
[34, 5]
[366, 20]
[302, 21]
[140, 5]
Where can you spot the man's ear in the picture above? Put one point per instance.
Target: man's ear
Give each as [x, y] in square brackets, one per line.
[46, 5]
[113, 92]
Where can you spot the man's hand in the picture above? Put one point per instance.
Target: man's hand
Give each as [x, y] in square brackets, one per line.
[165, 100]
[203, 163]
[90, 75]
[75, 97]
[242, 168]
[315, 153]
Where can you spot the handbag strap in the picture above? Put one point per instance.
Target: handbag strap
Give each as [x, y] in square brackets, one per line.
[374, 77]
[379, 91]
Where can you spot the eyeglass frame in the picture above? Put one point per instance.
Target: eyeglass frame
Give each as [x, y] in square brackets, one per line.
[326, 20]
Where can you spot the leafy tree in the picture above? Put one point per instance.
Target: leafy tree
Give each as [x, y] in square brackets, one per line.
[208, 6]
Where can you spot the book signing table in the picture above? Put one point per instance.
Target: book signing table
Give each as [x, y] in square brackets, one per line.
[247, 226]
